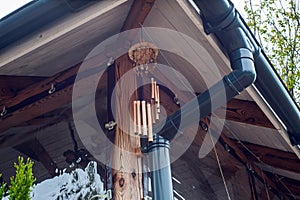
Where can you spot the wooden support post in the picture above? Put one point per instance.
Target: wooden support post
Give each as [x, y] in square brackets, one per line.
[127, 171]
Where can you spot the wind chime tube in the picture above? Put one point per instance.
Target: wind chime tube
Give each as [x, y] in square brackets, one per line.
[153, 113]
[138, 112]
[144, 117]
[152, 88]
[158, 100]
[134, 118]
[135, 132]
[150, 133]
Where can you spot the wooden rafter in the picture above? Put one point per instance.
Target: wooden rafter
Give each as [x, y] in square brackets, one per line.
[35, 100]
[290, 186]
[273, 157]
[243, 158]
[137, 14]
[34, 149]
[245, 112]
[10, 85]
[237, 109]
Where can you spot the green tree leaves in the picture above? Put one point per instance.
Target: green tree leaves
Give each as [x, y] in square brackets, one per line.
[2, 189]
[20, 187]
[276, 24]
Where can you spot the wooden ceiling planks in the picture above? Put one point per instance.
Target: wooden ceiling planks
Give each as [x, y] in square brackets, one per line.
[64, 98]
[28, 110]
[256, 135]
[80, 32]
[271, 156]
[245, 112]
[35, 150]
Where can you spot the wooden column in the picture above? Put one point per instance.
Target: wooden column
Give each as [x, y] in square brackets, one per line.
[127, 172]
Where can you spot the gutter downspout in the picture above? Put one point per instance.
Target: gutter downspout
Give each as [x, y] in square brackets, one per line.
[240, 52]
[269, 84]
[222, 20]
[161, 176]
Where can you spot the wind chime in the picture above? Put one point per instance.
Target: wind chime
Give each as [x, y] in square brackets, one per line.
[145, 113]
[143, 55]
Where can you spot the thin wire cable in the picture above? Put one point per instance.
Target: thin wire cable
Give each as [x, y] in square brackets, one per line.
[279, 179]
[172, 68]
[169, 64]
[261, 162]
[220, 167]
[263, 176]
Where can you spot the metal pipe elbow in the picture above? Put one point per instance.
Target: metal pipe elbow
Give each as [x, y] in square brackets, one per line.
[243, 74]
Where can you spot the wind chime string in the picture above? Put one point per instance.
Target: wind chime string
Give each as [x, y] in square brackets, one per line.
[165, 58]
[220, 167]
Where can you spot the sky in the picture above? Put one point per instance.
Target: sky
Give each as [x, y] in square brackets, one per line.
[8, 6]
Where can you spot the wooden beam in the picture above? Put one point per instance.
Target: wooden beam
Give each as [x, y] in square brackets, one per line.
[13, 139]
[6, 92]
[138, 13]
[237, 110]
[273, 157]
[34, 149]
[127, 173]
[245, 112]
[241, 155]
[263, 175]
[35, 100]
[126, 185]
[10, 85]
[290, 186]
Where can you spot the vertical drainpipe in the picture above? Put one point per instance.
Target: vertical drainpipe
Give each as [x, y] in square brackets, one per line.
[240, 52]
[159, 160]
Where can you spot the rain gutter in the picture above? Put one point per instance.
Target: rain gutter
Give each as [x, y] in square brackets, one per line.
[249, 64]
[216, 14]
[225, 23]
[35, 15]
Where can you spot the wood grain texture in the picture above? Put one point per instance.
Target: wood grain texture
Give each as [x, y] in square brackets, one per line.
[273, 157]
[243, 158]
[66, 42]
[128, 168]
[127, 171]
[137, 14]
[35, 150]
[289, 187]
[28, 109]
[10, 85]
[245, 112]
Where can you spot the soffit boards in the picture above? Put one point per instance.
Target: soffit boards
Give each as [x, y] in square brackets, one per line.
[64, 43]
[67, 42]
